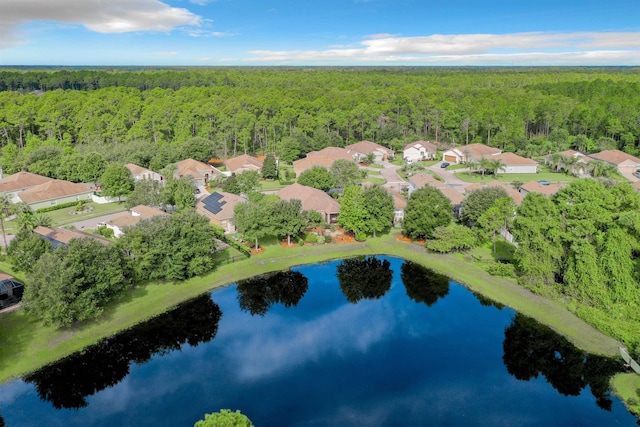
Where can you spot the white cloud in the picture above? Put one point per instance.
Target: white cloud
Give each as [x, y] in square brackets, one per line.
[580, 48]
[113, 16]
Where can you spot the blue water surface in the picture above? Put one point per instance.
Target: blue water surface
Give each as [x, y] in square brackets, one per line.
[388, 361]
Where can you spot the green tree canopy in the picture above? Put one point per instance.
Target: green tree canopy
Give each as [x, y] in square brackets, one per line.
[269, 168]
[380, 209]
[427, 209]
[478, 201]
[345, 173]
[74, 282]
[224, 418]
[116, 181]
[353, 215]
[317, 177]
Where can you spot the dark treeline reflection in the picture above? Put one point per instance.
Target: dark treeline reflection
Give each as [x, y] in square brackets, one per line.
[258, 294]
[532, 349]
[68, 382]
[422, 284]
[367, 278]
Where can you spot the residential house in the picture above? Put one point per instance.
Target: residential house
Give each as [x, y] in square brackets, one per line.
[419, 150]
[139, 173]
[421, 180]
[218, 208]
[469, 153]
[363, 148]
[537, 187]
[10, 290]
[14, 184]
[399, 205]
[201, 172]
[62, 236]
[55, 192]
[131, 218]
[312, 200]
[515, 164]
[626, 163]
[512, 192]
[243, 163]
[580, 167]
[325, 157]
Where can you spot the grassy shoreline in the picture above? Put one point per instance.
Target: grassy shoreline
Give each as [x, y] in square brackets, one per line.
[26, 345]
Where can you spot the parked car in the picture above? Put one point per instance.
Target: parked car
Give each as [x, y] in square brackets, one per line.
[544, 182]
[637, 174]
[445, 165]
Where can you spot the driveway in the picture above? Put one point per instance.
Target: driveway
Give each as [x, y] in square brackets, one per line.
[449, 178]
[389, 172]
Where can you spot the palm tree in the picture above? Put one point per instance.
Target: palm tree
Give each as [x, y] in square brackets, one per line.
[599, 168]
[555, 161]
[569, 164]
[496, 165]
[484, 164]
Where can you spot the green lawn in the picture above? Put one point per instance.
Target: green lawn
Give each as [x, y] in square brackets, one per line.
[63, 217]
[273, 185]
[523, 177]
[627, 387]
[376, 180]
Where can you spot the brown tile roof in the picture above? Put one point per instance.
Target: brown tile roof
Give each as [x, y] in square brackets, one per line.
[399, 202]
[21, 180]
[54, 189]
[536, 187]
[135, 169]
[225, 201]
[196, 169]
[515, 195]
[368, 147]
[65, 235]
[512, 159]
[477, 151]
[333, 152]
[4, 276]
[454, 196]
[243, 162]
[421, 179]
[614, 157]
[311, 198]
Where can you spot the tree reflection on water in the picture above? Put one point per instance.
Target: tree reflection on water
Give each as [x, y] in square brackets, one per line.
[368, 278]
[423, 284]
[532, 349]
[67, 383]
[258, 294]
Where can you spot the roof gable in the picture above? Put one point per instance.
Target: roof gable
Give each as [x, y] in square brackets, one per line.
[54, 189]
[21, 180]
[244, 162]
[311, 198]
[615, 157]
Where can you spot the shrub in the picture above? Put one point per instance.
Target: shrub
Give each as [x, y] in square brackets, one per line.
[361, 237]
[311, 238]
[105, 232]
[500, 269]
[328, 239]
[56, 207]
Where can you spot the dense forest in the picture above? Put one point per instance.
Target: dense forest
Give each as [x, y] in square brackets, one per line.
[153, 117]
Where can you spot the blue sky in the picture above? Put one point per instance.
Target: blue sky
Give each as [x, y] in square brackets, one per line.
[329, 32]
